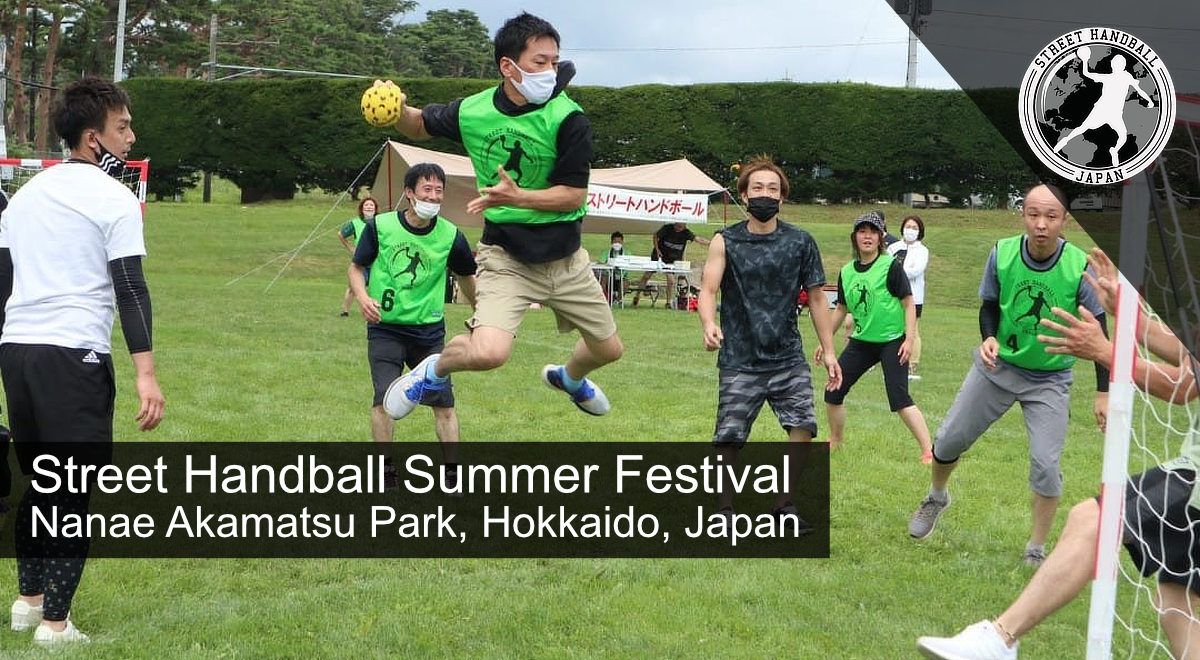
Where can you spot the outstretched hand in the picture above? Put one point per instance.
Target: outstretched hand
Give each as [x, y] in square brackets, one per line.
[1082, 337]
[505, 193]
[1104, 281]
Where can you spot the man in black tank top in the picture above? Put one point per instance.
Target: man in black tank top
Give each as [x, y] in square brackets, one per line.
[760, 266]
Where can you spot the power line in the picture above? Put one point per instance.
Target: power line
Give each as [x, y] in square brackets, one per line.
[28, 83]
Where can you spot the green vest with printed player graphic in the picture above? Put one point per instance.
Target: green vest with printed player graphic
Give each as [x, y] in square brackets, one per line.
[1026, 297]
[525, 145]
[878, 315]
[358, 224]
[408, 276]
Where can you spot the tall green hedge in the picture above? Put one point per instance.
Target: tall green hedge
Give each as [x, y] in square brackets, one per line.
[270, 137]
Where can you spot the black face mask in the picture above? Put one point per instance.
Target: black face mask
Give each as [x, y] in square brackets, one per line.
[763, 208]
[111, 163]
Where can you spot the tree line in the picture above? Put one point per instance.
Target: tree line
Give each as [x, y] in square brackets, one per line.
[50, 43]
[271, 136]
[836, 141]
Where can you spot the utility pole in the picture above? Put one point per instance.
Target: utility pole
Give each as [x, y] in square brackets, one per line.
[119, 60]
[913, 10]
[6, 172]
[914, 22]
[212, 77]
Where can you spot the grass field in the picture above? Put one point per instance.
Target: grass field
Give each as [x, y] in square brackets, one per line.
[238, 362]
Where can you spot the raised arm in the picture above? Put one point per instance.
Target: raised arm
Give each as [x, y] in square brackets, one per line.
[411, 123]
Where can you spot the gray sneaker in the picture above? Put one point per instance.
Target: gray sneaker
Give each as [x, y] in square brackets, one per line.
[926, 516]
[1034, 556]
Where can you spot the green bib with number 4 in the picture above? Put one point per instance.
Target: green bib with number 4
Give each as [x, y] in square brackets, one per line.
[1026, 297]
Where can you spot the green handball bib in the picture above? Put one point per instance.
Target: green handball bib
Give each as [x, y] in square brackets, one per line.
[1026, 297]
[408, 276]
[525, 145]
[878, 315]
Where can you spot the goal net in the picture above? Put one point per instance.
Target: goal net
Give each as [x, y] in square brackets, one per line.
[14, 172]
[1159, 258]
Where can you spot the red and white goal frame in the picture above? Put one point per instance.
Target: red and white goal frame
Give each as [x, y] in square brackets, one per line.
[1137, 202]
[137, 173]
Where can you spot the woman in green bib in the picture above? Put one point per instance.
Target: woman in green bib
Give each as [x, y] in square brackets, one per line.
[875, 290]
[349, 235]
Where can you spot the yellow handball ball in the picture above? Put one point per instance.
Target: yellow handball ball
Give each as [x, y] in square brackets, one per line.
[381, 105]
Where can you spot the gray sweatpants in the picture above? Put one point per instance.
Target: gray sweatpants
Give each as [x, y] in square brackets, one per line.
[986, 395]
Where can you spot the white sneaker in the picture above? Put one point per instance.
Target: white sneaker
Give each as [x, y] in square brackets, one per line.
[980, 641]
[25, 616]
[47, 635]
[403, 395]
[589, 397]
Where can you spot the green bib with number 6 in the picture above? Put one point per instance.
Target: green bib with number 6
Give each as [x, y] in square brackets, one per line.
[408, 276]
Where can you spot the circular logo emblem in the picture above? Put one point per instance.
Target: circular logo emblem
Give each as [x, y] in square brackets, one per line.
[1097, 105]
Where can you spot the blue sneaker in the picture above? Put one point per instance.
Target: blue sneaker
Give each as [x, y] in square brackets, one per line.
[587, 398]
[403, 395]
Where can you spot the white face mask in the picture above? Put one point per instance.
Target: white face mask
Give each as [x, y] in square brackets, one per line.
[537, 88]
[425, 210]
[910, 235]
[616, 247]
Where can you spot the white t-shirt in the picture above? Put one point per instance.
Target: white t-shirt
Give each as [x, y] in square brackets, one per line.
[62, 228]
[915, 263]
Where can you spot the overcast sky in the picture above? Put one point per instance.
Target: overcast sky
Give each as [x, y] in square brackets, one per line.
[631, 42]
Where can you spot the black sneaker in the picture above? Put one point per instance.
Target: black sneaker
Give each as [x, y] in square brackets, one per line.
[450, 480]
[790, 521]
[391, 481]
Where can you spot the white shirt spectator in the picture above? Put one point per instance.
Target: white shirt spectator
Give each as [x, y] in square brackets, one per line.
[915, 262]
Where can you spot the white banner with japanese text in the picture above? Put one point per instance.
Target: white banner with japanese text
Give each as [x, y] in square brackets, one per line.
[641, 205]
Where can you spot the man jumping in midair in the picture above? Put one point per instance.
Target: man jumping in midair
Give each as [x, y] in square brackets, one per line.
[1110, 107]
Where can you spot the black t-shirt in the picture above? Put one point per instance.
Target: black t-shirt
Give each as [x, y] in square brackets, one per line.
[764, 274]
[671, 243]
[572, 167]
[897, 280]
[460, 262]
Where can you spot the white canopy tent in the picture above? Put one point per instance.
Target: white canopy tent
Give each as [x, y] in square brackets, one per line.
[675, 177]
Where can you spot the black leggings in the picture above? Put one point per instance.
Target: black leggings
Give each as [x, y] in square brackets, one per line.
[859, 356]
[47, 565]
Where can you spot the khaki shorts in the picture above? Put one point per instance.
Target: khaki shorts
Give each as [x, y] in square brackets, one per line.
[506, 287]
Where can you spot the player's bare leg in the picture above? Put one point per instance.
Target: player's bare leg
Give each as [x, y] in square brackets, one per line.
[836, 414]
